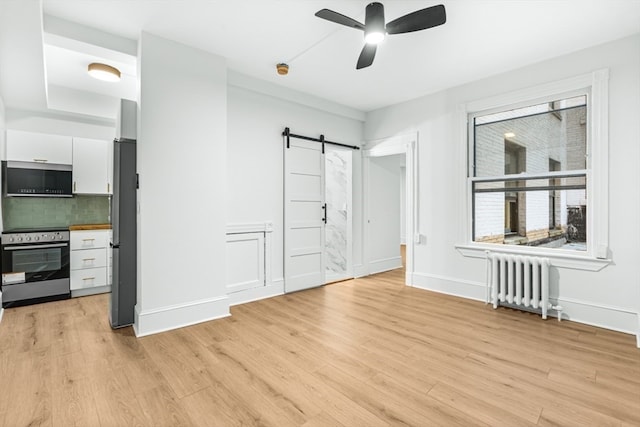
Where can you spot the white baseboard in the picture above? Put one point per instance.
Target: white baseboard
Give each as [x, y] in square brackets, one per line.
[177, 316]
[359, 270]
[608, 317]
[249, 295]
[449, 285]
[382, 265]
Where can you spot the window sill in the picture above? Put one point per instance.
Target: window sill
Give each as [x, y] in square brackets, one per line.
[564, 260]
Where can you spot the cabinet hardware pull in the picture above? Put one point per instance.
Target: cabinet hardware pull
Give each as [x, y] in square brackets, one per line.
[88, 278]
[88, 259]
[40, 160]
[88, 240]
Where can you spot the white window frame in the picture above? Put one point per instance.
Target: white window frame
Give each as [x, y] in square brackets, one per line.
[596, 86]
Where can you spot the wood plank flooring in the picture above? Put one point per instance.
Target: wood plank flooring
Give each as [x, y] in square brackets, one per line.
[365, 352]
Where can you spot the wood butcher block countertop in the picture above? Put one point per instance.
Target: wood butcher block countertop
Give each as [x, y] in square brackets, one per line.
[90, 227]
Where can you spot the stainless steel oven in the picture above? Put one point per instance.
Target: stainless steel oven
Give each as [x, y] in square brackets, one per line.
[35, 266]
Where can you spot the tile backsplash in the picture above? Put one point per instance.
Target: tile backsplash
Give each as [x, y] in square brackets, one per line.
[28, 212]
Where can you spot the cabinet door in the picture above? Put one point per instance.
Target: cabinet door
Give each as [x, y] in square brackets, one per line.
[38, 147]
[91, 166]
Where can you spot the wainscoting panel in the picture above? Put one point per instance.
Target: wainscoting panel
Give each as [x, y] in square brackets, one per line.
[249, 263]
[245, 261]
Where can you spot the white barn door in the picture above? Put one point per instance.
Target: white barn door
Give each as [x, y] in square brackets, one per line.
[304, 216]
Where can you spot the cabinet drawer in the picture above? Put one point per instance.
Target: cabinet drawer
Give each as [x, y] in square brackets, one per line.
[88, 258]
[89, 239]
[88, 278]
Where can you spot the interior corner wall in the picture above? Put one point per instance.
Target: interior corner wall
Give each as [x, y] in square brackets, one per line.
[608, 298]
[181, 155]
[255, 154]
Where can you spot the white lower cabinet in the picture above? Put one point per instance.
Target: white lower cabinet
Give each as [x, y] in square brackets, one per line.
[90, 261]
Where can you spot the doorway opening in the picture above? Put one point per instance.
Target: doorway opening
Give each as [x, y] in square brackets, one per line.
[390, 208]
[338, 232]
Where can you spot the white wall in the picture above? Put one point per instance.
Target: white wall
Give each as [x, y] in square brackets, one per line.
[255, 159]
[2, 126]
[403, 204]
[608, 298]
[2, 151]
[182, 122]
[383, 219]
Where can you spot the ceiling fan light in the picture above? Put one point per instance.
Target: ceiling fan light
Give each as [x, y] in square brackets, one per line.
[374, 37]
[104, 72]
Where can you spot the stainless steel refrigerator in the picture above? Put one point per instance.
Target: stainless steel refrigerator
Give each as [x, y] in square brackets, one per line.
[123, 218]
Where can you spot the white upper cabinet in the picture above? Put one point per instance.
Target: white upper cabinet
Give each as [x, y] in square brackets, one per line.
[38, 147]
[92, 166]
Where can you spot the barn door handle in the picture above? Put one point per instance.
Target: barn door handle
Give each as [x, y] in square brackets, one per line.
[324, 218]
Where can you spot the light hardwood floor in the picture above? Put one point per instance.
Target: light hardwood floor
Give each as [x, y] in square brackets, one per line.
[366, 352]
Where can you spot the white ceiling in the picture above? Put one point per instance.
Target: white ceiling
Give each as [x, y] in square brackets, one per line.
[480, 38]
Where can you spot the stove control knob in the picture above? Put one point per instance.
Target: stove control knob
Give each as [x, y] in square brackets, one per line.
[19, 239]
[36, 238]
[11, 239]
[28, 239]
[53, 237]
[60, 236]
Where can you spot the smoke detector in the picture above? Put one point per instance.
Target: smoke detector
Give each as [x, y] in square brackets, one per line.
[282, 68]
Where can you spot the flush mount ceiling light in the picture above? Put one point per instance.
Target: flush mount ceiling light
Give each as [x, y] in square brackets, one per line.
[509, 135]
[104, 72]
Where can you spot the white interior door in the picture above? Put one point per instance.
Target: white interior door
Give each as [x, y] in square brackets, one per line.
[304, 216]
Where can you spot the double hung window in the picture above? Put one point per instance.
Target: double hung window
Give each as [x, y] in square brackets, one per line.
[529, 173]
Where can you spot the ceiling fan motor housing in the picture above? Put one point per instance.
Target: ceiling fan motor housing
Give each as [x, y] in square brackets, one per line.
[374, 20]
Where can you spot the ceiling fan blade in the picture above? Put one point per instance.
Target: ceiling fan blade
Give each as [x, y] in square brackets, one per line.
[339, 18]
[366, 56]
[418, 20]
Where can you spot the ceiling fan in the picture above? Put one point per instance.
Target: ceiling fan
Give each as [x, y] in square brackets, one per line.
[375, 29]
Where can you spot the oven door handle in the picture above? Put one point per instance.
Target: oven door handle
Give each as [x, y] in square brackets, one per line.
[55, 245]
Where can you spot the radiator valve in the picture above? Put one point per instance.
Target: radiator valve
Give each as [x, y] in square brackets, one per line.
[557, 308]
